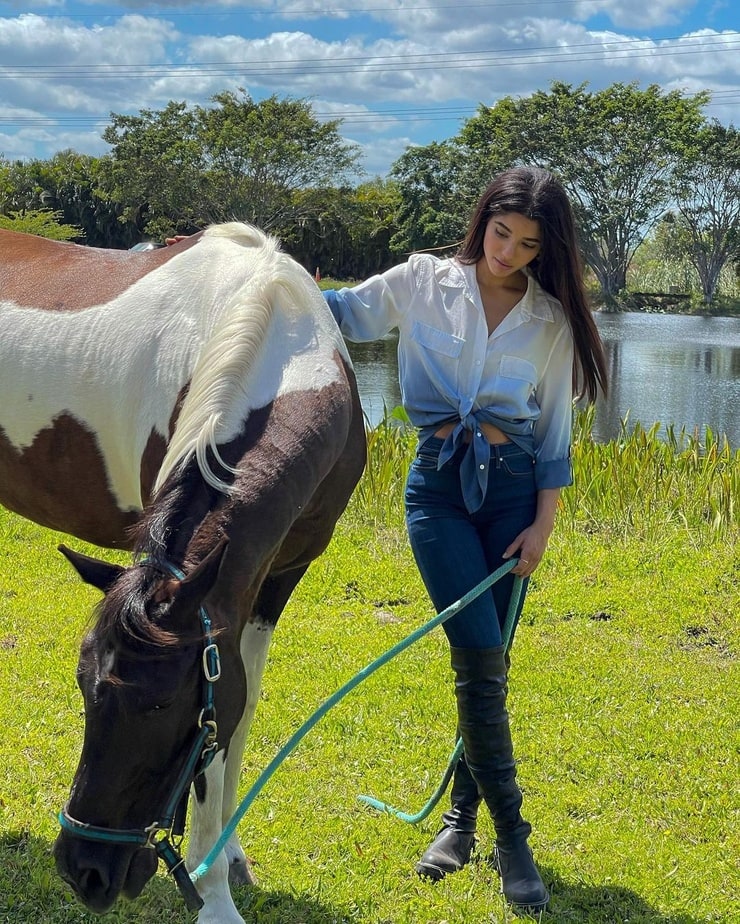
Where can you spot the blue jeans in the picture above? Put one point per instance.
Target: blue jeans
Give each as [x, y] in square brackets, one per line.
[455, 550]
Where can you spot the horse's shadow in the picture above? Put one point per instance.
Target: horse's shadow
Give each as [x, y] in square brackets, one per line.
[31, 891]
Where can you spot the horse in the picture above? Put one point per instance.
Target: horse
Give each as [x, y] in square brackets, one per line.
[195, 405]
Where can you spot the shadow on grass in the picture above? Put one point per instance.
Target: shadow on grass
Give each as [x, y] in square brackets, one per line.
[31, 892]
[577, 903]
[258, 906]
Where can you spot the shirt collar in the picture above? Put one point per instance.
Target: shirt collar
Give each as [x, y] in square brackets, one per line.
[535, 303]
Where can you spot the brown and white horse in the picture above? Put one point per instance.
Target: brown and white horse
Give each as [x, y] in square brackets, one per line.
[195, 404]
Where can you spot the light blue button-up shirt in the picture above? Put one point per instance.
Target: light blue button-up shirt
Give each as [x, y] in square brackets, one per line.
[450, 370]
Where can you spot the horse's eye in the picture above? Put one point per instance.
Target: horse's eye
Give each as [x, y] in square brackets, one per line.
[160, 707]
[151, 708]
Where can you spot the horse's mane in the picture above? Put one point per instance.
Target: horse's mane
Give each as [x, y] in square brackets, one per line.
[122, 617]
[221, 371]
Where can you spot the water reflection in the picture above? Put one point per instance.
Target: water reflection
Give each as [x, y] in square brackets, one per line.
[376, 367]
[674, 370]
[677, 371]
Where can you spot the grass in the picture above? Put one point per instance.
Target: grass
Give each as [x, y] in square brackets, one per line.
[623, 698]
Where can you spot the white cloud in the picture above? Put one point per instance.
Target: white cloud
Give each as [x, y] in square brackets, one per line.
[422, 64]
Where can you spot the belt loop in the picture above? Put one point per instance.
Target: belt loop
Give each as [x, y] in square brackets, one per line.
[497, 453]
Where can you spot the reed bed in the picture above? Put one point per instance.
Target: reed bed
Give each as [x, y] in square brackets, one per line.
[639, 484]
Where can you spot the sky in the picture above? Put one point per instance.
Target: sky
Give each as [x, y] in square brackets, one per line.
[397, 72]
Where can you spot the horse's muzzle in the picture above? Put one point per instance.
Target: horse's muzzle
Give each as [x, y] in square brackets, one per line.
[99, 873]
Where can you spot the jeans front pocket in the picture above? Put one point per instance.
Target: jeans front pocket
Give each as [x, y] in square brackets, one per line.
[427, 454]
[518, 464]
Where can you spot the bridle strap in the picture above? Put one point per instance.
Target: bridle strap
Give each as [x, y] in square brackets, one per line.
[144, 838]
[173, 817]
[176, 866]
[138, 837]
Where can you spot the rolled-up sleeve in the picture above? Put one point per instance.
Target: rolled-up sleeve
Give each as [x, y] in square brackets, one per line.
[553, 430]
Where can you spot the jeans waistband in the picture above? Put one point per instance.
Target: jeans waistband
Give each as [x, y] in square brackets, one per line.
[498, 450]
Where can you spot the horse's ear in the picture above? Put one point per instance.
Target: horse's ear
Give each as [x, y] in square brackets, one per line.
[97, 573]
[198, 583]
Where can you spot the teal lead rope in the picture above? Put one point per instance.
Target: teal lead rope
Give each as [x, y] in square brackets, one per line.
[297, 736]
[507, 635]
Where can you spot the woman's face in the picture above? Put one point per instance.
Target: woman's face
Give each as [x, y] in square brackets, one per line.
[511, 241]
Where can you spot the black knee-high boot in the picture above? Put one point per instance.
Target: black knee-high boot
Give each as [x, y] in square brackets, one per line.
[450, 850]
[481, 689]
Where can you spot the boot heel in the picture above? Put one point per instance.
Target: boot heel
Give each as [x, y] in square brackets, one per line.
[521, 883]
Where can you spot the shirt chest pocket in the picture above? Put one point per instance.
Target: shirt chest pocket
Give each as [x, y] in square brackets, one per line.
[516, 381]
[439, 341]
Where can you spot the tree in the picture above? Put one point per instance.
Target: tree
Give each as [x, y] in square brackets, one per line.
[155, 170]
[435, 202]
[616, 151]
[41, 222]
[19, 189]
[259, 154]
[345, 232]
[66, 184]
[377, 205]
[707, 197]
[180, 168]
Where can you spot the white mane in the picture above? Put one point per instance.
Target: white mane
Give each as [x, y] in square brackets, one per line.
[220, 375]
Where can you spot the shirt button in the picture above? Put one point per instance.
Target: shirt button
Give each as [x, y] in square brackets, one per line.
[482, 466]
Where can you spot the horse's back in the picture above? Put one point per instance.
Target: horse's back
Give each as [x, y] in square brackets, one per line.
[97, 351]
[61, 276]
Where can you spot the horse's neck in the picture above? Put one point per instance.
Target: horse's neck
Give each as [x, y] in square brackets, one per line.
[185, 507]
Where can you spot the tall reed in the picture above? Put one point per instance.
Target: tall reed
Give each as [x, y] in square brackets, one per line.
[390, 449]
[641, 484]
[638, 484]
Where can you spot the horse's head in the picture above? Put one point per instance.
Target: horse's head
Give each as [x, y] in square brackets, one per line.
[149, 672]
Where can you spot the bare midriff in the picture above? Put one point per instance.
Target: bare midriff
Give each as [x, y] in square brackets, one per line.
[491, 433]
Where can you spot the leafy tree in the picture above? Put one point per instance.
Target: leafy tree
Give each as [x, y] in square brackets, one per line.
[259, 154]
[435, 202]
[376, 213]
[707, 197]
[181, 168]
[70, 184]
[616, 150]
[74, 184]
[155, 170]
[318, 238]
[346, 232]
[41, 222]
[19, 189]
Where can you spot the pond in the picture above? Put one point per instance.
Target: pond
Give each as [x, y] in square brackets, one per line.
[675, 370]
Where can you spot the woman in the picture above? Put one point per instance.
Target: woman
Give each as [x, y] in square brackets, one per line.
[493, 345]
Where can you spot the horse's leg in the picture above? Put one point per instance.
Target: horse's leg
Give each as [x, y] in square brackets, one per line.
[207, 800]
[255, 642]
[254, 645]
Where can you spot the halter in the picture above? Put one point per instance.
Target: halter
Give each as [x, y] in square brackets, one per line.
[170, 827]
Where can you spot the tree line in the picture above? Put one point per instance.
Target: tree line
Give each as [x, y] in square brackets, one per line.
[635, 162]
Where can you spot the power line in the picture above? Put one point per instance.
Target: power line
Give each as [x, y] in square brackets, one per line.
[351, 117]
[546, 54]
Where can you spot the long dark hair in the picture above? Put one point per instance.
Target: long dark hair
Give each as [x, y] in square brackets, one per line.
[538, 195]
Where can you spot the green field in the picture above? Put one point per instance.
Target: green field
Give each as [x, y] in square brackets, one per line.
[624, 701]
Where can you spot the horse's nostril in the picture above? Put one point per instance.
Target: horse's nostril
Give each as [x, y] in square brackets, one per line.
[92, 881]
